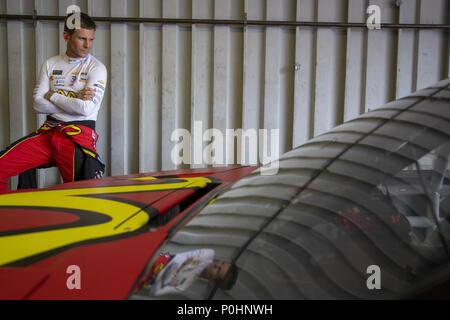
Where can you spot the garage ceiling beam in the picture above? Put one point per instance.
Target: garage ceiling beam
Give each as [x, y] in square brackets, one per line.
[231, 22]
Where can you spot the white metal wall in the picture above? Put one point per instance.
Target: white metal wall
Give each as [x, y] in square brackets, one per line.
[300, 80]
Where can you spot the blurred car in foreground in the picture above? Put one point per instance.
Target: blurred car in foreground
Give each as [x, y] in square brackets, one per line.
[360, 212]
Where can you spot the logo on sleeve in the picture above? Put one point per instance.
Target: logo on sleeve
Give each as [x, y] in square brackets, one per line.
[99, 86]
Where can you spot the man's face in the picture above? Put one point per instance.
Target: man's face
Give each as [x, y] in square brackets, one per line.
[216, 270]
[80, 43]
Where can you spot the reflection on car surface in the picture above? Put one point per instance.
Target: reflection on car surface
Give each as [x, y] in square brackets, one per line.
[361, 211]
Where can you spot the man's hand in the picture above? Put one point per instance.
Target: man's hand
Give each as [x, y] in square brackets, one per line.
[48, 95]
[86, 94]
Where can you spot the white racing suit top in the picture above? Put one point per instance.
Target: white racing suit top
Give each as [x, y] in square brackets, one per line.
[66, 76]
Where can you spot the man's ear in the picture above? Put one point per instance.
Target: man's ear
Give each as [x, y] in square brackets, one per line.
[66, 36]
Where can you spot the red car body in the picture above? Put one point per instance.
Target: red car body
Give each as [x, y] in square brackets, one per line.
[112, 264]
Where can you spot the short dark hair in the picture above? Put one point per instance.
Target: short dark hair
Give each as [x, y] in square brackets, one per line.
[85, 22]
[229, 280]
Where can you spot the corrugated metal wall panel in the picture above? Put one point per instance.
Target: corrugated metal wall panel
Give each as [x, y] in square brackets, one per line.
[300, 80]
[4, 86]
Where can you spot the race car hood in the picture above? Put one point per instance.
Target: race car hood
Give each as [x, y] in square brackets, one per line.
[94, 239]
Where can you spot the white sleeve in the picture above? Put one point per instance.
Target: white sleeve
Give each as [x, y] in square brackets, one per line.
[181, 271]
[97, 77]
[40, 104]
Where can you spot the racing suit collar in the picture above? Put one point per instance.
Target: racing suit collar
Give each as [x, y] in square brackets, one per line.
[75, 60]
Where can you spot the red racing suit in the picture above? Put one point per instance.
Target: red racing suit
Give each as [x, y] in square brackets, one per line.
[70, 146]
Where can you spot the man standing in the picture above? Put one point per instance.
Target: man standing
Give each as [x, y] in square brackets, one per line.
[70, 90]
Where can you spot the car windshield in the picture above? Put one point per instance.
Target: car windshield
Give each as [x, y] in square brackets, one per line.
[361, 212]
